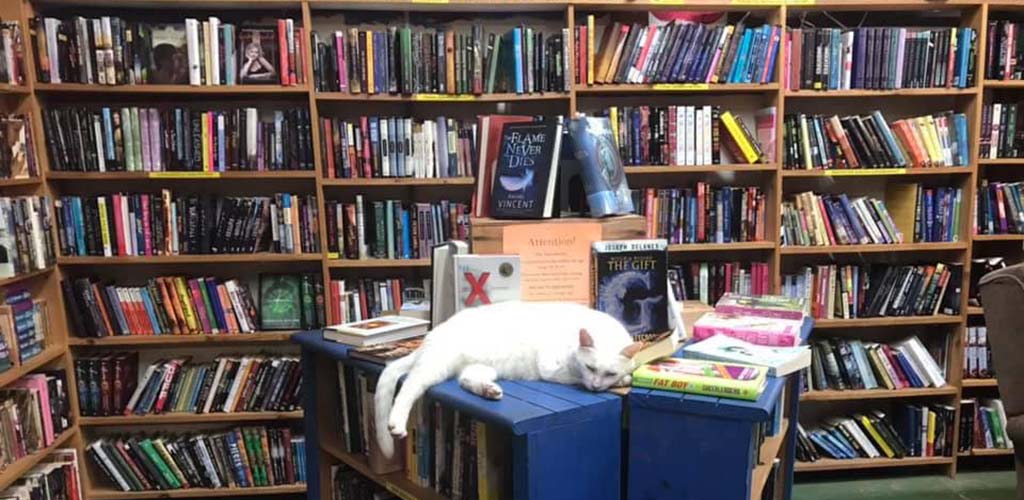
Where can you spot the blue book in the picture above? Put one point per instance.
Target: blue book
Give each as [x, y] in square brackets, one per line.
[825, 446]
[637, 118]
[222, 160]
[750, 56]
[114, 301]
[230, 71]
[890, 139]
[859, 232]
[735, 75]
[194, 400]
[963, 151]
[392, 150]
[857, 79]
[601, 170]
[839, 442]
[108, 136]
[236, 459]
[835, 56]
[726, 214]
[517, 48]
[964, 40]
[691, 234]
[908, 369]
[218, 311]
[375, 144]
[867, 374]
[929, 215]
[527, 171]
[147, 302]
[406, 235]
[79, 224]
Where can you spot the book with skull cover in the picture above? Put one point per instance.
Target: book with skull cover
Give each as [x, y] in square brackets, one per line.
[630, 283]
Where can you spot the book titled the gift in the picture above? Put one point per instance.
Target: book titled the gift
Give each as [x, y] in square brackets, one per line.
[756, 330]
[708, 378]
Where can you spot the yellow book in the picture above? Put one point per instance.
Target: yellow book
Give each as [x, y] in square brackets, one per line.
[901, 201]
[933, 135]
[187, 307]
[204, 126]
[875, 436]
[931, 431]
[590, 49]
[805, 143]
[922, 128]
[734, 130]
[491, 451]
[101, 204]
[876, 362]
[207, 63]
[369, 62]
[613, 117]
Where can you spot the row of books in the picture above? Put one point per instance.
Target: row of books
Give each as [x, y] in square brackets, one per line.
[877, 290]
[937, 214]
[881, 58]
[109, 50]
[978, 354]
[812, 219]
[709, 281]
[668, 50]
[365, 298]
[24, 327]
[34, 411]
[390, 146]
[12, 53]
[999, 208]
[349, 484]
[105, 382]
[407, 60]
[149, 139]
[690, 135]
[840, 364]
[1005, 57]
[26, 236]
[983, 425]
[703, 214]
[389, 229]
[242, 457]
[17, 148]
[125, 224]
[831, 142]
[912, 431]
[1001, 136]
[56, 477]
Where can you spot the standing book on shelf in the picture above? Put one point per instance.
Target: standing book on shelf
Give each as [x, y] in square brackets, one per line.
[169, 55]
[527, 170]
[490, 127]
[630, 280]
[604, 178]
[258, 55]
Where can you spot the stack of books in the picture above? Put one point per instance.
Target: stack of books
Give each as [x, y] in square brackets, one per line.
[34, 411]
[881, 58]
[999, 208]
[877, 290]
[17, 148]
[671, 51]
[841, 364]
[26, 235]
[109, 50]
[389, 229]
[978, 354]
[913, 431]
[242, 457]
[1000, 132]
[983, 425]
[12, 53]
[57, 477]
[359, 299]
[1005, 57]
[831, 142]
[24, 324]
[703, 214]
[389, 146]
[709, 281]
[823, 220]
[407, 60]
[150, 139]
[127, 224]
[768, 320]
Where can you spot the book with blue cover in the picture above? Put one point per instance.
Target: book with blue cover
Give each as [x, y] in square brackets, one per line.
[527, 171]
[604, 178]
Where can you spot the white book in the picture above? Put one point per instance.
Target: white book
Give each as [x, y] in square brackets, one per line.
[51, 26]
[997, 111]
[213, 51]
[780, 361]
[98, 139]
[192, 42]
[997, 405]
[361, 227]
[443, 282]
[207, 462]
[847, 44]
[688, 127]
[409, 145]
[140, 388]
[343, 397]
[234, 294]
[981, 351]
[862, 438]
[698, 136]
[236, 384]
[175, 241]
[377, 331]
[863, 364]
[633, 74]
[385, 143]
[920, 358]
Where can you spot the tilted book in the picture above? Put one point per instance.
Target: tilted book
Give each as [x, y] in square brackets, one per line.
[708, 378]
[765, 306]
[778, 360]
[753, 329]
[604, 178]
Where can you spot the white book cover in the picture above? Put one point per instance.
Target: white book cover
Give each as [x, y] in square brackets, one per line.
[214, 51]
[698, 136]
[706, 130]
[377, 330]
[192, 41]
[486, 279]
[779, 360]
[690, 136]
[680, 119]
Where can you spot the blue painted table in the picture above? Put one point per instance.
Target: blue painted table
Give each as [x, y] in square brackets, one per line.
[566, 442]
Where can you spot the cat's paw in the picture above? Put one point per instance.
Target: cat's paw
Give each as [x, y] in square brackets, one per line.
[625, 381]
[397, 429]
[492, 391]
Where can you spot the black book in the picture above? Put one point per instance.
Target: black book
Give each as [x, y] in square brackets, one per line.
[527, 170]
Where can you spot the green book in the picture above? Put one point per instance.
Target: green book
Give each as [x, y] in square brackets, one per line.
[492, 71]
[252, 445]
[154, 456]
[280, 302]
[389, 224]
[708, 378]
[405, 38]
[211, 315]
[136, 139]
[308, 302]
[126, 139]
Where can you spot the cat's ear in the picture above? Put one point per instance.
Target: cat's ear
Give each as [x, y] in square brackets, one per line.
[630, 350]
[585, 339]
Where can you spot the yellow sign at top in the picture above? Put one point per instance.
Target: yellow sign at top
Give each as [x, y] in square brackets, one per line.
[443, 97]
[681, 86]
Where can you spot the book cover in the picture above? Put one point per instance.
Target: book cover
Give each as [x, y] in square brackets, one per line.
[377, 331]
[527, 170]
[486, 279]
[765, 306]
[280, 297]
[778, 360]
[258, 57]
[630, 282]
[753, 329]
[169, 56]
[727, 380]
[382, 354]
[601, 170]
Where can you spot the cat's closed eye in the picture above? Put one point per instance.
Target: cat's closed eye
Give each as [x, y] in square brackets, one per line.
[591, 367]
[609, 374]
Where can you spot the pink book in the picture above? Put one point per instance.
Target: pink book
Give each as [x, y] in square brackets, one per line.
[339, 49]
[197, 299]
[771, 332]
[717, 59]
[147, 235]
[165, 387]
[37, 383]
[122, 246]
[764, 306]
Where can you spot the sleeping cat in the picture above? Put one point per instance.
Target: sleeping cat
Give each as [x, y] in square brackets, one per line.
[558, 342]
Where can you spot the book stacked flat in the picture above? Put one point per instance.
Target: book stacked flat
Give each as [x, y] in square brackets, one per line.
[389, 229]
[1000, 208]
[123, 224]
[12, 53]
[17, 148]
[1001, 127]
[109, 50]
[824, 220]
[840, 364]
[703, 214]
[34, 411]
[134, 139]
[390, 146]
[407, 60]
[242, 457]
[672, 51]
[881, 58]
[912, 431]
[831, 142]
[877, 290]
[24, 324]
[983, 425]
[26, 236]
[57, 477]
[1004, 59]
[709, 281]
[978, 354]
[359, 299]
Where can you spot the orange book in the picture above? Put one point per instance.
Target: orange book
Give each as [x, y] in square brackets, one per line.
[228, 307]
[606, 50]
[910, 144]
[103, 310]
[282, 49]
[184, 296]
[295, 225]
[608, 76]
[172, 315]
[328, 141]
[245, 455]
[370, 82]
[449, 61]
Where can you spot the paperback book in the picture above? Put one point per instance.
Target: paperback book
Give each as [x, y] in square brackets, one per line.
[630, 280]
[707, 378]
[527, 171]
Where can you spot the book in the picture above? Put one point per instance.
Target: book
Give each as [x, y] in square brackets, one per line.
[385, 353]
[393, 228]
[909, 431]
[169, 55]
[366, 298]
[26, 236]
[489, 128]
[708, 378]
[258, 57]
[17, 149]
[604, 179]
[771, 332]
[377, 331]
[630, 281]
[527, 170]
[36, 410]
[779, 361]
[811, 219]
[703, 213]
[766, 306]
[486, 279]
[856, 364]
[708, 282]
[280, 302]
[1004, 50]
[999, 208]
[12, 53]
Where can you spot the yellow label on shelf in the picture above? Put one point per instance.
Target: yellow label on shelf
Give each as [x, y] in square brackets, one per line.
[429, 1]
[864, 171]
[757, 2]
[668, 2]
[333, 255]
[681, 86]
[399, 492]
[799, 2]
[184, 175]
[443, 97]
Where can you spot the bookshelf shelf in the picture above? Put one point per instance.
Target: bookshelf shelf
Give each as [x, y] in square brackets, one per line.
[15, 470]
[31, 181]
[377, 263]
[722, 247]
[208, 90]
[769, 450]
[445, 98]
[399, 181]
[1001, 161]
[699, 169]
[270, 175]
[396, 482]
[1004, 84]
[189, 259]
[8, 89]
[929, 92]
[940, 319]
[998, 237]
[189, 418]
[975, 311]
[988, 452]
[844, 249]
[826, 464]
[980, 382]
[18, 278]
[655, 88]
[111, 494]
[166, 340]
[852, 395]
[42, 359]
[877, 172]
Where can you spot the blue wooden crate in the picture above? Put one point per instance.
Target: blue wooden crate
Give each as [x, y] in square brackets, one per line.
[566, 442]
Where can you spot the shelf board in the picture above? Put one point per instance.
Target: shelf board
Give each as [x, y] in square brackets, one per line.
[11, 89]
[15, 372]
[928, 92]
[988, 452]
[769, 450]
[13, 472]
[876, 172]
[167, 340]
[940, 319]
[675, 88]
[844, 249]
[975, 311]
[189, 418]
[869, 463]
[721, 247]
[18, 278]
[979, 382]
[198, 176]
[1001, 161]
[28, 181]
[377, 263]
[859, 394]
[112, 494]
[189, 259]
[998, 237]
[1004, 84]
[700, 169]
[395, 482]
[190, 90]
[445, 98]
[401, 181]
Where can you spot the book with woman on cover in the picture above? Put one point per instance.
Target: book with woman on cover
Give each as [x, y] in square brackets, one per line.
[258, 59]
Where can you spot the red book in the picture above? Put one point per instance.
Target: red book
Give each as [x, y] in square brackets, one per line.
[581, 50]
[228, 307]
[329, 141]
[651, 31]
[165, 386]
[364, 125]
[825, 219]
[117, 200]
[300, 48]
[773, 39]
[793, 57]
[147, 234]
[649, 210]
[282, 49]
[339, 49]
[700, 211]
[286, 444]
[903, 381]
[106, 384]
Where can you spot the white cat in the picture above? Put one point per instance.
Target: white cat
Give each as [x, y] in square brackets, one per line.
[559, 342]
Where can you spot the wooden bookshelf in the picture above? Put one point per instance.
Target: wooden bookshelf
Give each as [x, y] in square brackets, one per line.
[31, 181]
[15, 470]
[141, 341]
[720, 88]
[888, 321]
[1001, 161]
[377, 263]
[201, 90]
[861, 93]
[988, 452]
[721, 247]
[862, 394]
[827, 464]
[998, 237]
[877, 172]
[975, 311]
[769, 450]
[111, 494]
[189, 259]
[49, 354]
[699, 169]
[400, 181]
[190, 418]
[446, 98]
[270, 175]
[896, 248]
[979, 382]
[396, 482]
[18, 278]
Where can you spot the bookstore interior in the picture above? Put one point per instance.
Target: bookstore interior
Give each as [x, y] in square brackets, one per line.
[531, 250]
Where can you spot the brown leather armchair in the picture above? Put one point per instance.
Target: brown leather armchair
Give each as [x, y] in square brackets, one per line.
[1002, 295]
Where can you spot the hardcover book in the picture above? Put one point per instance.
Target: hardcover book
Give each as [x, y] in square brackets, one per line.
[779, 361]
[760, 331]
[383, 354]
[377, 331]
[169, 63]
[527, 170]
[630, 282]
[708, 378]
[486, 279]
[280, 302]
[258, 55]
[604, 178]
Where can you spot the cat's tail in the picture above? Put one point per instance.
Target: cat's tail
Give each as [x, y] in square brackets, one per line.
[384, 398]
